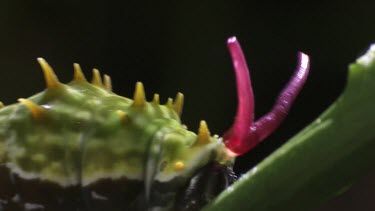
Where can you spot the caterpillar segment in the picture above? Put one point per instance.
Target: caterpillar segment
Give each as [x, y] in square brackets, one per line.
[79, 146]
[89, 138]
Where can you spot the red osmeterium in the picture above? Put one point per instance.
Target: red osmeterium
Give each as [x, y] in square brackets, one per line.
[244, 134]
[237, 137]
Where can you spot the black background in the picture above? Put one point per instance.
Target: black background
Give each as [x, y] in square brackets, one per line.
[176, 46]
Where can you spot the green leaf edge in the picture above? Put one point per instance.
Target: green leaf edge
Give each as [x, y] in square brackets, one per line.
[321, 161]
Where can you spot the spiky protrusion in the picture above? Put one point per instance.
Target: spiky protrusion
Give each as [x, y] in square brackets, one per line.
[1, 104]
[203, 134]
[107, 83]
[52, 81]
[35, 109]
[123, 116]
[178, 103]
[169, 103]
[78, 74]
[156, 99]
[139, 95]
[96, 78]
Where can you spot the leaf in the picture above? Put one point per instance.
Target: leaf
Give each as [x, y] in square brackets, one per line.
[320, 162]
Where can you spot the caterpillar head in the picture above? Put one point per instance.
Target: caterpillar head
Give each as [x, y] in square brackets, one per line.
[244, 134]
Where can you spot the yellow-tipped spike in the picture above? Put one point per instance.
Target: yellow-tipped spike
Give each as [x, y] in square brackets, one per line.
[51, 79]
[203, 134]
[108, 83]
[170, 103]
[78, 74]
[96, 78]
[179, 165]
[35, 109]
[123, 116]
[1, 104]
[178, 103]
[139, 95]
[156, 99]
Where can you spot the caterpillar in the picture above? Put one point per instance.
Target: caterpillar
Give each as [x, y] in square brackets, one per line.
[78, 146]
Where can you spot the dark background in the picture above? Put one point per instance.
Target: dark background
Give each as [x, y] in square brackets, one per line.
[176, 46]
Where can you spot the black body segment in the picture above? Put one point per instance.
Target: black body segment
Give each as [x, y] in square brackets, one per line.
[204, 186]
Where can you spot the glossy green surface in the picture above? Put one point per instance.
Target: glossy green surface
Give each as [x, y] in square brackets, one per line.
[79, 137]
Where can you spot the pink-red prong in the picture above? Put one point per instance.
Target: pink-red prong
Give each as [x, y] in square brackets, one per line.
[237, 135]
[244, 134]
[266, 125]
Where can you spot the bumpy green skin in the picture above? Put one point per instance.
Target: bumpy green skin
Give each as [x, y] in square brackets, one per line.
[80, 139]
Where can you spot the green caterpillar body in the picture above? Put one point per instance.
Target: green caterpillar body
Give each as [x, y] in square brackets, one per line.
[80, 147]
[81, 134]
